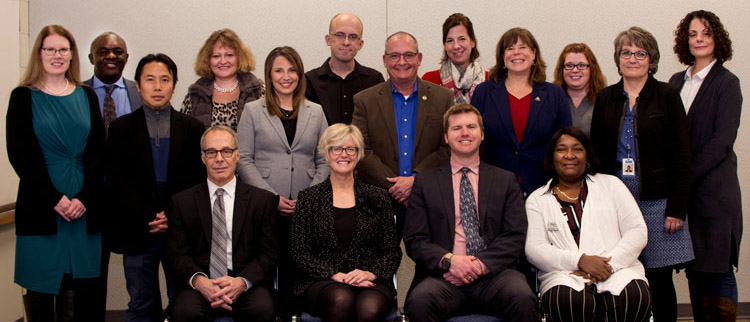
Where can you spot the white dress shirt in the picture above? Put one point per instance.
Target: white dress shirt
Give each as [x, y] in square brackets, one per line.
[693, 84]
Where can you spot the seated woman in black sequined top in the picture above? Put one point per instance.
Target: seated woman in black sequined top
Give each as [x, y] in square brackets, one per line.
[343, 238]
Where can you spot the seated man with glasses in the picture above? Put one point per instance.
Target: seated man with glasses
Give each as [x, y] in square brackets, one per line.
[154, 153]
[333, 84]
[222, 240]
[401, 123]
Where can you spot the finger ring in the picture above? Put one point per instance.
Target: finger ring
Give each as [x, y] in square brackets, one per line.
[588, 274]
[469, 278]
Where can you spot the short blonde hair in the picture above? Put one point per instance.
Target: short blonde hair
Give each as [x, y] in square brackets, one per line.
[228, 38]
[337, 134]
[35, 71]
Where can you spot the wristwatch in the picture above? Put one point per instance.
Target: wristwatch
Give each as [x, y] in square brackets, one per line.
[445, 262]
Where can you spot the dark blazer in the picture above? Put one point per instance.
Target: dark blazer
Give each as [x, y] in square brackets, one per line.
[375, 117]
[130, 174]
[548, 112]
[661, 139]
[37, 196]
[314, 245]
[133, 95]
[430, 220]
[254, 240]
[715, 208]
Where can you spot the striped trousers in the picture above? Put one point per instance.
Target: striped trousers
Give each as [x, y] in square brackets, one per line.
[562, 303]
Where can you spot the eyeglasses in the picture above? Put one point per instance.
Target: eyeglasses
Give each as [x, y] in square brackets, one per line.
[639, 55]
[408, 56]
[580, 66]
[225, 153]
[52, 51]
[340, 36]
[336, 150]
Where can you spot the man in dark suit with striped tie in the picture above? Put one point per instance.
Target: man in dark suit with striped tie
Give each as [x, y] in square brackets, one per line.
[465, 230]
[222, 240]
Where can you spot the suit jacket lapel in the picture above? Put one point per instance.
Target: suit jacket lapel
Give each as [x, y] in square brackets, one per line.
[503, 110]
[133, 95]
[704, 86]
[275, 122]
[203, 206]
[423, 108]
[445, 186]
[177, 135]
[140, 135]
[241, 200]
[485, 186]
[385, 104]
[303, 118]
[535, 107]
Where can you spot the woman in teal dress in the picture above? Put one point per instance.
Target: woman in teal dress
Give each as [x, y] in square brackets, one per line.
[55, 140]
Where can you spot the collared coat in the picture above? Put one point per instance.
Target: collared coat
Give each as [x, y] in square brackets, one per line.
[715, 206]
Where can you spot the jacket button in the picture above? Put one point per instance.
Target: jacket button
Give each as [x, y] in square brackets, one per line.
[288, 151]
[516, 152]
[292, 169]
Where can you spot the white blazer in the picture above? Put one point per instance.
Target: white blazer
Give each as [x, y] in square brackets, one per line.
[267, 161]
[612, 225]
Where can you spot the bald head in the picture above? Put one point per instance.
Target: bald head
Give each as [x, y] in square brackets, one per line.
[345, 18]
[108, 54]
[401, 35]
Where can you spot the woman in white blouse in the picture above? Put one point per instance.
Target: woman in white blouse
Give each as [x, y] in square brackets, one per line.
[585, 235]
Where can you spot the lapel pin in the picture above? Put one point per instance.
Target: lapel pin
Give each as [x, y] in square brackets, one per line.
[537, 99]
[424, 97]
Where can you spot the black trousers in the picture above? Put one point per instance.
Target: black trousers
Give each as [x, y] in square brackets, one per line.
[505, 295]
[256, 304]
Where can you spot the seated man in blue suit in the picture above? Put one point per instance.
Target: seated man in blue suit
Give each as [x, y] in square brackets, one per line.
[465, 230]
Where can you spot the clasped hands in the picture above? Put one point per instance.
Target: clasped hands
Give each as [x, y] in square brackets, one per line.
[401, 188]
[594, 268]
[220, 292]
[356, 277]
[158, 225]
[69, 209]
[464, 270]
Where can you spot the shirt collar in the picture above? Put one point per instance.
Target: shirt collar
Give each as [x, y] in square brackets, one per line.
[394, 91]
[229, 187]
[456, 166]
[701, 75]
[98, 83]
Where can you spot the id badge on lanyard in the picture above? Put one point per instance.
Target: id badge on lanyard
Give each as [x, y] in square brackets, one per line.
[628, 166]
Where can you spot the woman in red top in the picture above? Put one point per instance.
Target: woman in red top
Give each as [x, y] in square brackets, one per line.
[459, 68]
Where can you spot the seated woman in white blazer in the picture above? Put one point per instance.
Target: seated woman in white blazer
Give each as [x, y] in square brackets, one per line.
[585, 235]
[279, 145]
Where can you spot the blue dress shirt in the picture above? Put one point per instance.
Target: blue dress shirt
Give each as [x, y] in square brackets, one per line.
[405, 110]
[119, 95]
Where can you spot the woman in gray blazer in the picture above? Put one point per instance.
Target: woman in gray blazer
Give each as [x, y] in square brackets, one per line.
[713, 102]
[279, 145]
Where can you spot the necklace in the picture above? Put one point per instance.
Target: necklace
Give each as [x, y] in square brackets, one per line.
[60, 92]
[225, 90]
[564, 194]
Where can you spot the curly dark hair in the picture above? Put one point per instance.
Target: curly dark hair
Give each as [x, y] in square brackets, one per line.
[722, 43]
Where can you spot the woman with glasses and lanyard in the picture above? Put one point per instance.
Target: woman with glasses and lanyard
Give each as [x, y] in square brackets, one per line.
[279, 145]
[578, 73]
[640, 133]
[344, 241]
[55, 139]
[521, 110]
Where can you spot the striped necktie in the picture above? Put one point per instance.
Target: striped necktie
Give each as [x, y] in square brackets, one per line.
[218, 260]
